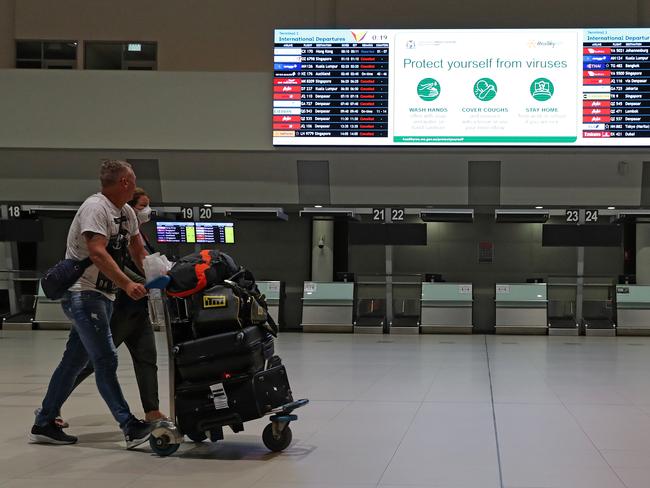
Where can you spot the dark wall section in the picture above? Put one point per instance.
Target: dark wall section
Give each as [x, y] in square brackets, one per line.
[55, 231]
[453, 251]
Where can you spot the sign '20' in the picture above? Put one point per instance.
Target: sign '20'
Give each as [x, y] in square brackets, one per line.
[205, 213]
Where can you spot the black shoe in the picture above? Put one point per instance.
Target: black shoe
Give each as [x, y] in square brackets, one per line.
[50, 434]
[136, 432]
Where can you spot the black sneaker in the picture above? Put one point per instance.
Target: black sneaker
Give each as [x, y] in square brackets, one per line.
[136, 432]
[50, 434]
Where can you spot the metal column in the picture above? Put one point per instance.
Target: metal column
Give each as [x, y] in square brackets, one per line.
[8, 253]
[388, 218]
[580, 281]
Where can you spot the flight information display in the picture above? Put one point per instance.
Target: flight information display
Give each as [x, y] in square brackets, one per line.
[215, 232]
[175, 232]
[504, 87]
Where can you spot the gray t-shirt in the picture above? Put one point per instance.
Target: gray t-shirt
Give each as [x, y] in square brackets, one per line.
[98, 214]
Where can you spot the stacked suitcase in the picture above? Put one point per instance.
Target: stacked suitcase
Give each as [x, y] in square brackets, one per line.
[225, 372]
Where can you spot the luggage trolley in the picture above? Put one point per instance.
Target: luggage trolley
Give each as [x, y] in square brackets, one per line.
[199, 409]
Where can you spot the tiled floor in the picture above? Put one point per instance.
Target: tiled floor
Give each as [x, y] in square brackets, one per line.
[388, 411]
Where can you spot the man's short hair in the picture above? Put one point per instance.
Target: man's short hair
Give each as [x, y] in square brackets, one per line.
[112, 170]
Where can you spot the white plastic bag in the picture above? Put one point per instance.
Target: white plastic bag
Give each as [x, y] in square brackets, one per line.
[156, 309]
[155, 265]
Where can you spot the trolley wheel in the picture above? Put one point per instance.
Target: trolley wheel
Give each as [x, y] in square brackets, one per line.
[196, 436]
[162, 445]
[277, 444]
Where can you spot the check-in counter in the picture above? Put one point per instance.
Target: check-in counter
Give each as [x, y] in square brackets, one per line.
[521, 308]
[48, 314]
[273, 292]
[562, 306]
[446, 308]
[407, 304]
[633, 309]
[369, 315]
[598, 307]
[327, 307]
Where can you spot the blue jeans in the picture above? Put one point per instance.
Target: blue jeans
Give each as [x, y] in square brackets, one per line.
[90, 340]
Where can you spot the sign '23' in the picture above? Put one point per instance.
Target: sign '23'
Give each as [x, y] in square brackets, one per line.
[573, 216]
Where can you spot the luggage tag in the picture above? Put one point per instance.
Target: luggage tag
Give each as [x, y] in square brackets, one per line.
[219, 396]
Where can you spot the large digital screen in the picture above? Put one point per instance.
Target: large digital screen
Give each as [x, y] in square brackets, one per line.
[503, 87]
[215, 232]
[175, 232]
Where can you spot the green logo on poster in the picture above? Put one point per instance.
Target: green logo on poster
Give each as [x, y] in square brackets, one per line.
[485, 89]
[428, 89]
[542, 89]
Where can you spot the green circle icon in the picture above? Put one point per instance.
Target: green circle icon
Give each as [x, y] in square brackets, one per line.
[428, 89]
[542, 89]
[485, 89]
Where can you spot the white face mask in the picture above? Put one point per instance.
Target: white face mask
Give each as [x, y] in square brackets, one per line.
[144, 215]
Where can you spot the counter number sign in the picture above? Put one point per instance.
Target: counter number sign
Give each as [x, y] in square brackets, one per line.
[205, 213]
[572, 215]
[396, 214]
[14, 211]
[378, 214]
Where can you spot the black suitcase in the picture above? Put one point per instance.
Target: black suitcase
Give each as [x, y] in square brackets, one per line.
[235, 400]
[243, 351]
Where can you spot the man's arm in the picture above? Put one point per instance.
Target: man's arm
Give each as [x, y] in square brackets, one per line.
[137, 251]
[107, 265]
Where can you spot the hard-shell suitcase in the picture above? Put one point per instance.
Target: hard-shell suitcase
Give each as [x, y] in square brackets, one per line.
[198, 405]
[229, 352]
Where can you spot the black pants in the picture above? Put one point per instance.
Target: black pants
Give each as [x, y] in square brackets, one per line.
[130, 324]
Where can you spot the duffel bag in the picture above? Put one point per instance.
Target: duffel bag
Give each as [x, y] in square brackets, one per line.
[198, 271]
[228, 306]
[217, 309]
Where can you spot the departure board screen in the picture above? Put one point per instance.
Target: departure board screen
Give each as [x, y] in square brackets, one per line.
[175, 232]
[215, 232]
[503, 87]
